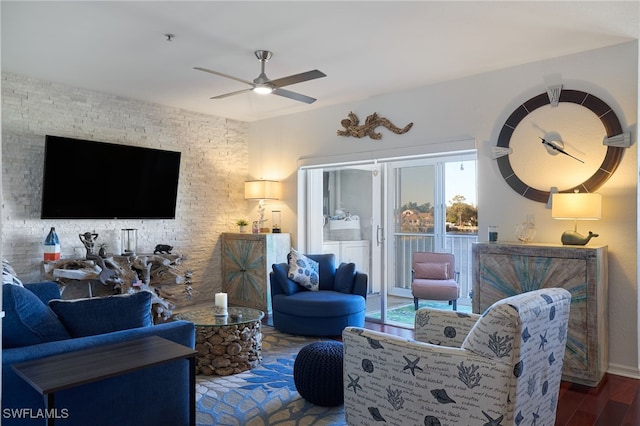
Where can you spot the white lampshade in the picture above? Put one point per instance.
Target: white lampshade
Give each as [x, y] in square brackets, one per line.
[262, 190]
[576, 206]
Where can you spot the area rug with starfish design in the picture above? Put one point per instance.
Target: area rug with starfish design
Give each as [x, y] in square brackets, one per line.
[265, 395]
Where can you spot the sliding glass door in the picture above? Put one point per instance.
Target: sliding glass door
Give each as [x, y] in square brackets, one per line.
[377, 214]
[417, 222]
[433, 205]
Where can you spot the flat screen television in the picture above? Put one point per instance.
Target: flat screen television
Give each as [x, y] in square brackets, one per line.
[97, 180]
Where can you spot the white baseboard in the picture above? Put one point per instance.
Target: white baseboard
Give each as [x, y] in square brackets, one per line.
[623, 370]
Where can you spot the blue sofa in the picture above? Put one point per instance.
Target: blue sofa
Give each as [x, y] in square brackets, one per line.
[154, 396]
[340, 301]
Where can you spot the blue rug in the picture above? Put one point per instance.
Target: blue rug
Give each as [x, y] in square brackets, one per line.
[265, 395]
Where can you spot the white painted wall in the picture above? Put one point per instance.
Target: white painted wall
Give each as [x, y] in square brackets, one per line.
[476, 107]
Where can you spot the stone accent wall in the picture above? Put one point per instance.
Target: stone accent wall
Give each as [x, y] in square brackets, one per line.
[210, 194]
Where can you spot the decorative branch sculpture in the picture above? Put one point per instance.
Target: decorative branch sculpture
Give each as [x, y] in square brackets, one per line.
[353, 127]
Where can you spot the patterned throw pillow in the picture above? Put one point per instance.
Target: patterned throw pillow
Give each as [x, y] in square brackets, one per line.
[9, 275]
[304, 271]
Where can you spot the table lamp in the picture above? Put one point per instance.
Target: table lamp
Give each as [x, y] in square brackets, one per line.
[262, 190]
[576, 206]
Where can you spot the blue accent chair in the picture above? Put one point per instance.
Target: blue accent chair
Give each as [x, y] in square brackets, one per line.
[340, 302]
[153, 396]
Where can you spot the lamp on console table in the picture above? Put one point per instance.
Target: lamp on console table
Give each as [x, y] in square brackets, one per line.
[574, 206]
[262, 190]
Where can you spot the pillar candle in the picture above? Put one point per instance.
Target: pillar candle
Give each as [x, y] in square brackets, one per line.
[221, 303]
[221, 300]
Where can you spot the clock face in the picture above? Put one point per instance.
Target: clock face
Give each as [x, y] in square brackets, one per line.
[543, 167]
[536, 133]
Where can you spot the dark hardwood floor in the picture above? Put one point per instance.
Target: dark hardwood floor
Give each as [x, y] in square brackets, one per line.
[615, 402]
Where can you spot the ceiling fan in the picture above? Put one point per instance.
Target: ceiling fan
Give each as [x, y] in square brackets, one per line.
[263, 85]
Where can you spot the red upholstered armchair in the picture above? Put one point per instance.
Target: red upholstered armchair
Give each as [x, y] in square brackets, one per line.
[433, 277]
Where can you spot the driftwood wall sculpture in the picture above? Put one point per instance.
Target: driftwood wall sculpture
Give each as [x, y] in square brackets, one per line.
[352, 126]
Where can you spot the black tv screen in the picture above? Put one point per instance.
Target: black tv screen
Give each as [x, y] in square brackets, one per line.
[97, 180]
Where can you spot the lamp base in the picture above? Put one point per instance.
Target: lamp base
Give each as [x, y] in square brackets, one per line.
[574, 238]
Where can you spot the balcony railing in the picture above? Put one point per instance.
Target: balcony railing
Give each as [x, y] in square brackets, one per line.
[458, 244]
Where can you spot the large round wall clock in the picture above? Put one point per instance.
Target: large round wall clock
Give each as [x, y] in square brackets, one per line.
[563, 139]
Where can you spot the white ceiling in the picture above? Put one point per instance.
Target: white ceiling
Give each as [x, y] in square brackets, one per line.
[366, 48]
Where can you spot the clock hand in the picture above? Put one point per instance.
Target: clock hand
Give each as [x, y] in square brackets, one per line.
[560, 150]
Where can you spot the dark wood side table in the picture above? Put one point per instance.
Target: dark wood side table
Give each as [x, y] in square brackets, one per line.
[55, 373]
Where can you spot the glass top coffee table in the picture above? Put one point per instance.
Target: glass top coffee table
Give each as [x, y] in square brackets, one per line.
[226, 345]
[206, 318]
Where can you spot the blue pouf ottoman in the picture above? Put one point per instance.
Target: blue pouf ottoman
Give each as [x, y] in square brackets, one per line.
[317, 373]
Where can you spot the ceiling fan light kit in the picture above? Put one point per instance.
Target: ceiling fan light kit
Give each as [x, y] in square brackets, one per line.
[263, 89]
[264, 86]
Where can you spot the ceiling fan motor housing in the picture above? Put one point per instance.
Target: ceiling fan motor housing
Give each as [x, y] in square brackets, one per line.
[263, 55]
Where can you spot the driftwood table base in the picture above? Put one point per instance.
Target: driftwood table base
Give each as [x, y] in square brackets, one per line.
[226, 345]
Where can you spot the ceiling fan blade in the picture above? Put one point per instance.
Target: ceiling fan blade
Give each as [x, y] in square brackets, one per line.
[298, 78]
[224, 75]
[226, 95]
[293, 95]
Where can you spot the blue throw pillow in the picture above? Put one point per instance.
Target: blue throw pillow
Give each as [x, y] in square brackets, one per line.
[28, 320]
[345, 275]
[99, 315]
[281, 271]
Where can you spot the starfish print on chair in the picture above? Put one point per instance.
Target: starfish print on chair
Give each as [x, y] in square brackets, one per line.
[492, 421]
[353, 383]
[543, 341]
[412, 365]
